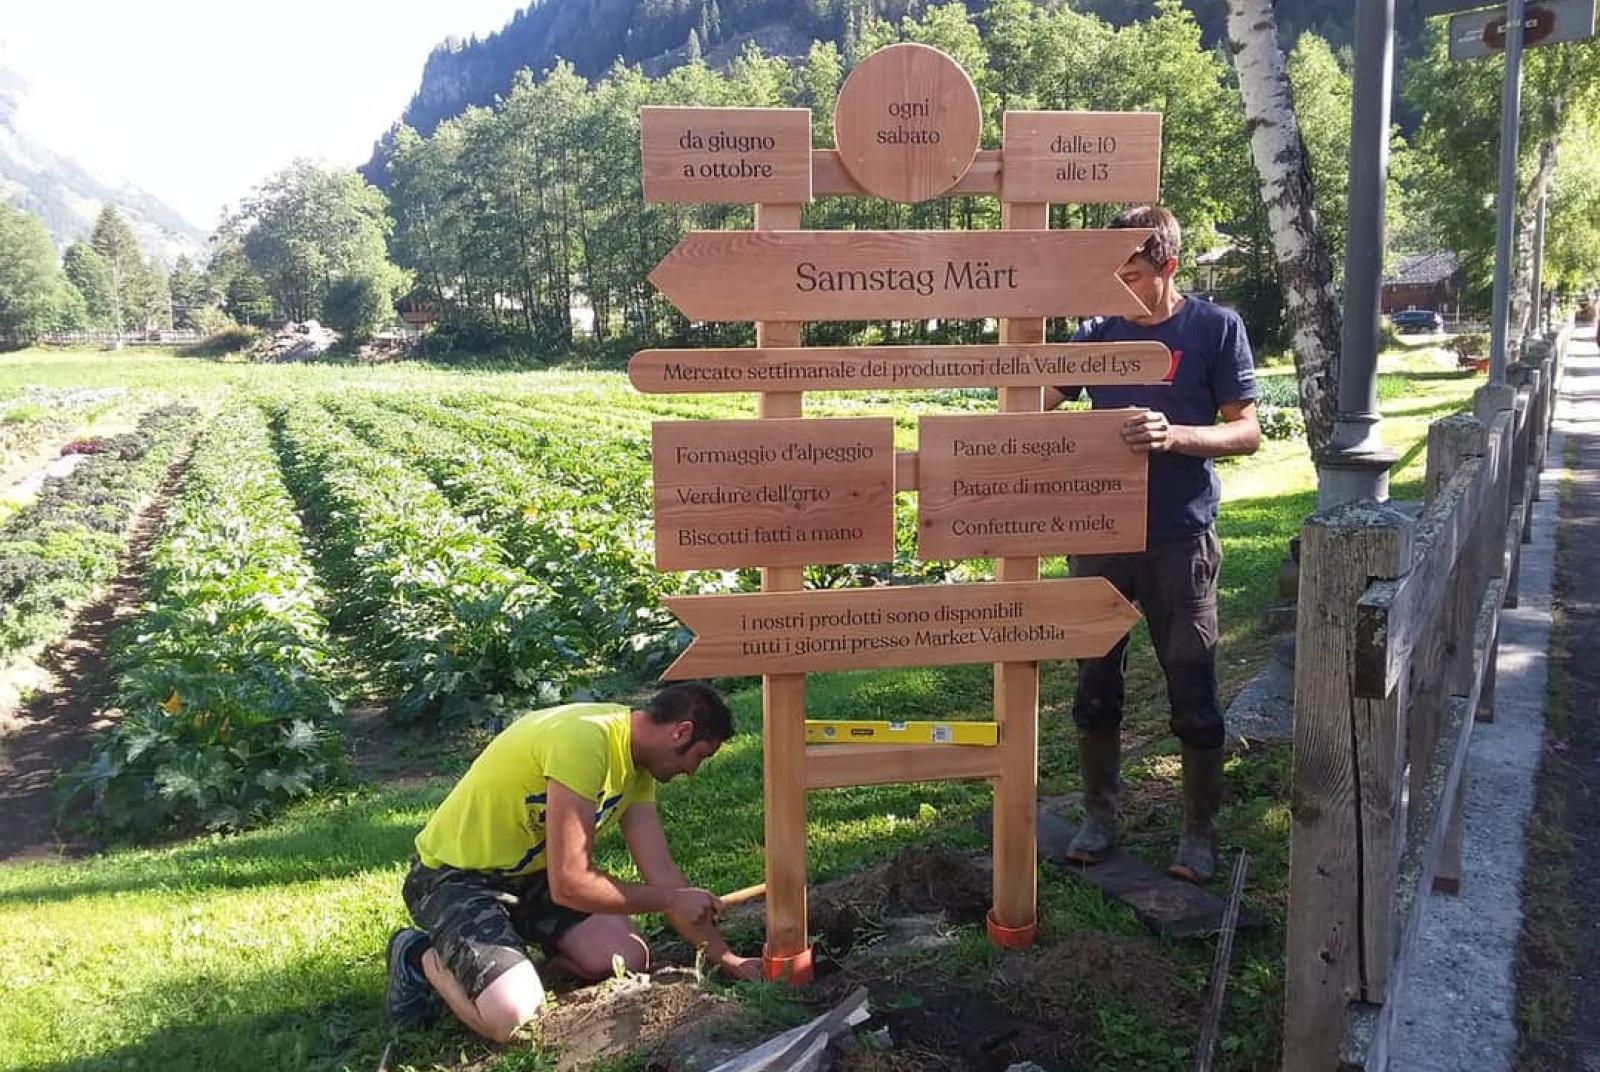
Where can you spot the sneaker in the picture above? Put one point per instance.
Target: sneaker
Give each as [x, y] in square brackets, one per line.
[410, 999]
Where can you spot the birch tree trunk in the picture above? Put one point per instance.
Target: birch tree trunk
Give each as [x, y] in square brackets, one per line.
[1522, 296]
[1298, 249]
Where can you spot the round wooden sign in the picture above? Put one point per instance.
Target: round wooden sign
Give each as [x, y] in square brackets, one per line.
[907, 123]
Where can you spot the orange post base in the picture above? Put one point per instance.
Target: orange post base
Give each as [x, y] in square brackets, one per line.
[1010, 937]
[794, 970]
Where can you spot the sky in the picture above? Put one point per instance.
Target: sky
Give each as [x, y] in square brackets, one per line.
[198, 101]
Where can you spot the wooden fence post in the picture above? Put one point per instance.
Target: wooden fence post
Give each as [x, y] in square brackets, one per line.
[1348, 758]
[1442, 666]
[1014, 919]
[783, 711]
[1489, 403]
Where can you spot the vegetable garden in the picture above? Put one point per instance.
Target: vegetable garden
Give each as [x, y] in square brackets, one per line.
[452, 548]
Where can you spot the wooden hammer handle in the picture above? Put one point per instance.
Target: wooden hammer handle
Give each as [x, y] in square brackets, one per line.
[749, 893]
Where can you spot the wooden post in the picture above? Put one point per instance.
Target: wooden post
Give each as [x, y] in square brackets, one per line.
[787, 954]
[1443, 665]
[1489, 403]
[1348, 758]
[1013, 922]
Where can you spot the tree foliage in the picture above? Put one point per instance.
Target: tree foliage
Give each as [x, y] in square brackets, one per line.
[513, 215]
[306, 228]
[33, 291]
[1458, 141]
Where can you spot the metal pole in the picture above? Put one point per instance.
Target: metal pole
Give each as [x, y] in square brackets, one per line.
[1510, 117]
[1537, 327]
[1356, 463]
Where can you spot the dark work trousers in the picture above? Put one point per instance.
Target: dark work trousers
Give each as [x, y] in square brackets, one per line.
[1175, 584]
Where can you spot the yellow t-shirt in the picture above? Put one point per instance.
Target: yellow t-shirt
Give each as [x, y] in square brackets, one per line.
[493, 820]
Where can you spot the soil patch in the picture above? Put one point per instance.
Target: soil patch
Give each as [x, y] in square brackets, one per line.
[667, 1018]
[53, 731]
[934, 1014]
[380, 752]
[1037, 1005]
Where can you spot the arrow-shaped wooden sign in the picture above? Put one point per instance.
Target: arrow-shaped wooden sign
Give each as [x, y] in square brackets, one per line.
[846, 368]
[923, 625]
[895, 275]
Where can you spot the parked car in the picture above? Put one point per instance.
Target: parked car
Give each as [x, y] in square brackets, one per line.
[1423, 320]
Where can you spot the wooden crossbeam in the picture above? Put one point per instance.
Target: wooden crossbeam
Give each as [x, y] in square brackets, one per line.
[837, 766]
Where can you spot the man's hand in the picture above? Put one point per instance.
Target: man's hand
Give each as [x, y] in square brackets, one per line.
[742, 969]
[692, 907]
[1147, 432]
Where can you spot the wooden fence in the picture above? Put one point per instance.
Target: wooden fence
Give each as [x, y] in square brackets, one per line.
[1397, 632]
[165, 337]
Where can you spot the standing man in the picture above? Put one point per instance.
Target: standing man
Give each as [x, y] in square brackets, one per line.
[1174, 579]
[508, 861]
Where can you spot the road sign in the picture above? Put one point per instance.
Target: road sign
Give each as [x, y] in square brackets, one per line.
[889, 275]
[847, 368]
[1450, 7]
[920, 625]
[1028, 484]
[726, 155]
[773, 493]
[1082, 157]
[907, 123]
[1478, 34]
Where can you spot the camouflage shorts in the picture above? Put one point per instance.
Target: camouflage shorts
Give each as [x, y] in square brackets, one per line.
[481, 923]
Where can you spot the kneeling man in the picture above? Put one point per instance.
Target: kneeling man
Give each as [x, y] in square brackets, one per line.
[507, 861]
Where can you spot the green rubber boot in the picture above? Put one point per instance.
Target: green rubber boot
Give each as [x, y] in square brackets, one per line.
[1196, 859]
[1100, 763]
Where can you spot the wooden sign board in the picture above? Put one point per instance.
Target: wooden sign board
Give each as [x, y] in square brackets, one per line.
[907, 123]
[847, 368]
[1028, 484]
[923, 625]
[726, 155]
[1479, 34]
[773, 492]
[892, 275]
[1082, 157]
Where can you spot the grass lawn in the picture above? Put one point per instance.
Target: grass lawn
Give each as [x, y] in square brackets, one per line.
[264, 950]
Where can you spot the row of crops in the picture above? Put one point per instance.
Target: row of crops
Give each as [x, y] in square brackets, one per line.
[62, 547]
[225, 682]
[455, 557]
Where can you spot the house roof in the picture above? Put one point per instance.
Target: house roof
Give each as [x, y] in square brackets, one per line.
[1425, 268]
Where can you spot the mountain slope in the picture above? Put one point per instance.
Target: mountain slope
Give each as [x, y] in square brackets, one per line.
[594, 34]
[55, 188]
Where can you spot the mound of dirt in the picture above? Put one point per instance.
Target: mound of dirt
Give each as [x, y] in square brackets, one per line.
[666, 1016]
[295, 342]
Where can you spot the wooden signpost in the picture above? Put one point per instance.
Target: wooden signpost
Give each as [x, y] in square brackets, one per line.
[773, 493]
[862, 368]
[1082, 156]
[782, 492]
[878, 275]
[914, 625]
[907, 123]
[729, 155]
[1028, 484]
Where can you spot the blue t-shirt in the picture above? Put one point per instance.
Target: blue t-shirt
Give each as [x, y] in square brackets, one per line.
[1211, 366]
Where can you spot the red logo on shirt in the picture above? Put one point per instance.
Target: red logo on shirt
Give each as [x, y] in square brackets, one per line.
[1172, 370]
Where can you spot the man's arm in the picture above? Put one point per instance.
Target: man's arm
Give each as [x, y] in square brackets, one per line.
[576, 883]
[647, 841]
[1148, 431]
